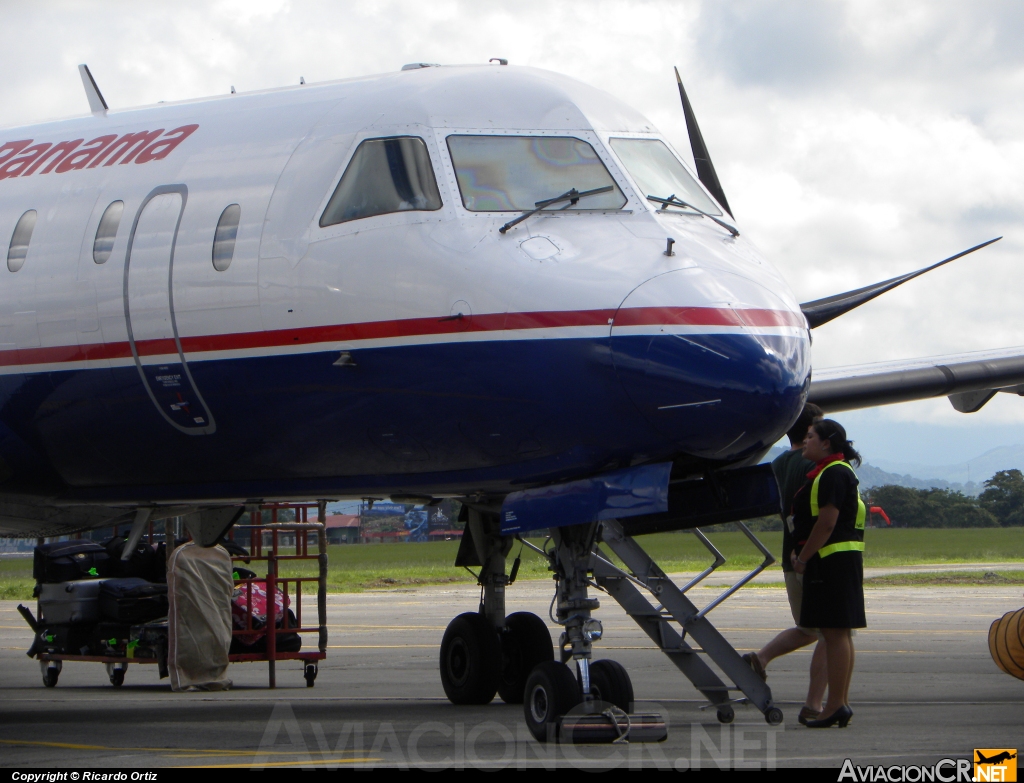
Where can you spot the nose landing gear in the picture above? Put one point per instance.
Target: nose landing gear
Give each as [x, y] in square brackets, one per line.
[595, 705]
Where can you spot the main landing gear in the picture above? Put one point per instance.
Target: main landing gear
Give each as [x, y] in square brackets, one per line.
[484, 653]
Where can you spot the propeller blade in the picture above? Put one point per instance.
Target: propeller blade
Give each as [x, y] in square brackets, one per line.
[821, 311]
[705, 168]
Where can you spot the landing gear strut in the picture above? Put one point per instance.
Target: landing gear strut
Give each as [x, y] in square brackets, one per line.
[594, 705]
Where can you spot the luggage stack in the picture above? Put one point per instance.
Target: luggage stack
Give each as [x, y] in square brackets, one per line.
[91, 602]
[95, 607]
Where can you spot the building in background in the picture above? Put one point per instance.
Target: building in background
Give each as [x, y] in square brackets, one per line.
[343, 528]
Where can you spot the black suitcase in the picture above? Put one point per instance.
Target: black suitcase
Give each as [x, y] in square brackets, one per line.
[158, 566]
[132, 600]
[65, 561]
[110, 639]
[141, 563]
[63, 640]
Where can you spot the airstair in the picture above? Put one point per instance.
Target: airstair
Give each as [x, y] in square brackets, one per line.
[669, 617]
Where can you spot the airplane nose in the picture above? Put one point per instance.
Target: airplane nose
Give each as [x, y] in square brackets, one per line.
[716, 363]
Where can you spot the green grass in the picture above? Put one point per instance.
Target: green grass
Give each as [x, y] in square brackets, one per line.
[356, 567]
[16, 580]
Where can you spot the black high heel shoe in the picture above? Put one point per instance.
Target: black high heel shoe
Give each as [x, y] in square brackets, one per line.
[841, 716]
[806, 714]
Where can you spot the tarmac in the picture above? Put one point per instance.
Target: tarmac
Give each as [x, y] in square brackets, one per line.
[924, 689]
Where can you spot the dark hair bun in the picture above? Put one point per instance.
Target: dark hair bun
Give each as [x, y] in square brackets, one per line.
[832, 431]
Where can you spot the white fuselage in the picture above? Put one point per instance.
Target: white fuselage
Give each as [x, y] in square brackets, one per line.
[475, 359]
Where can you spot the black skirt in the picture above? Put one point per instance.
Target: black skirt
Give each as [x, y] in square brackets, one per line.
[834, 592]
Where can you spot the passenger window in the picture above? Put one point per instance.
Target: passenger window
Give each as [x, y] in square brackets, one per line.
[385, 175]
[224, 238]
[106, 232]
[19, 241]
[658, 173]
[513, 173]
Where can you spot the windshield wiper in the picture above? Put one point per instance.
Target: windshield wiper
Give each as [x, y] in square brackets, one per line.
[572, 196]
[672, 201]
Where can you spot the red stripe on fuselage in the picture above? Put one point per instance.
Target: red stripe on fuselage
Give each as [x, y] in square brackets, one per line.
[410, 327]
[706, 316]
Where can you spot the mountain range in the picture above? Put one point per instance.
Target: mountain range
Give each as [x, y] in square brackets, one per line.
[968, 477]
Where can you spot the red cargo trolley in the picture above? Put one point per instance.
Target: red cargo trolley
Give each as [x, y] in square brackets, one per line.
[271, 543]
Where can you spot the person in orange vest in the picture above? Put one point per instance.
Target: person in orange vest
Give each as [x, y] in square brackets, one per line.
[828, 519]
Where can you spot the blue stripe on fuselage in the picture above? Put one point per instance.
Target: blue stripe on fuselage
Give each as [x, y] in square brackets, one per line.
[451, 417]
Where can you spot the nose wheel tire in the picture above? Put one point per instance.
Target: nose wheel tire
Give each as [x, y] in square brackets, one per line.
[551, 691]
[470, 660]
[726, 714]
[525, 643]
[609, 682]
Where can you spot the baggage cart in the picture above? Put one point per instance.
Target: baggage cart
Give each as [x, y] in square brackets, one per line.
[270, 543]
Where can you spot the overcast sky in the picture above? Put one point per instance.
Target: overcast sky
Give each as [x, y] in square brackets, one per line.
[855, 140]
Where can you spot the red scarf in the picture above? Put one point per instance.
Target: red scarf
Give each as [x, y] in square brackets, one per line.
[824, 462]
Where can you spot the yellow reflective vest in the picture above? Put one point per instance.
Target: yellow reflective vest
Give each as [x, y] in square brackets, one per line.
[841, 540]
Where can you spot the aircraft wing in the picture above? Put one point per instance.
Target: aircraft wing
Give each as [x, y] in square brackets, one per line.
[969, 381]
[26, 517]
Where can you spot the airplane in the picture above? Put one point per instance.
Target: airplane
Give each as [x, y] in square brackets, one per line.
[996, 759]
[487, 282]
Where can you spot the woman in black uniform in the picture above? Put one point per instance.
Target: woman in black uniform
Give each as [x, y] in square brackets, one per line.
[829, 530]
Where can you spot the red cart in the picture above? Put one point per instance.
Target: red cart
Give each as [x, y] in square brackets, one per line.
[272, 543]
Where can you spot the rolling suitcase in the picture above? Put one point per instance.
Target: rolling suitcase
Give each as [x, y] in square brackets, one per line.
[111, 639]
[132, 600]
[74, 602]
[62, 640]
[65, 561]
[148, 640]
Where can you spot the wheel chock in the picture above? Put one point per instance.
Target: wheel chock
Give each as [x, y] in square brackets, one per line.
[599, 723]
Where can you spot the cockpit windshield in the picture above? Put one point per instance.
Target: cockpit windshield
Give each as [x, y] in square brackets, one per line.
[658, 172]
[514, 173]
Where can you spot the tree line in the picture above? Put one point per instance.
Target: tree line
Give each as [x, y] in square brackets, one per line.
[1001, 504]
